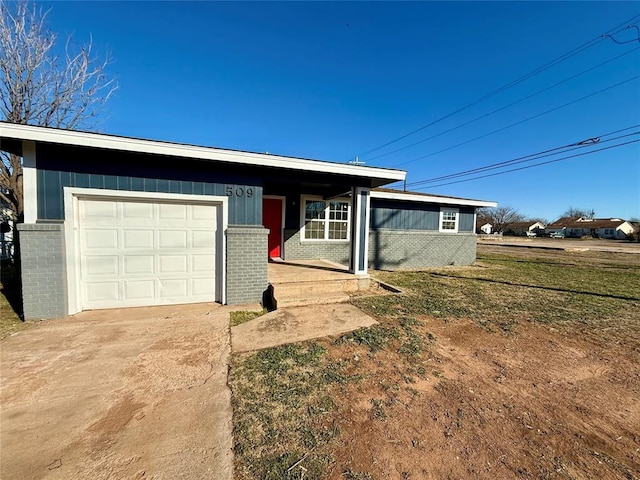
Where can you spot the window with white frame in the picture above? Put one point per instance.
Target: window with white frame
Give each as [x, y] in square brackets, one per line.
[449, 219]
[325, 219]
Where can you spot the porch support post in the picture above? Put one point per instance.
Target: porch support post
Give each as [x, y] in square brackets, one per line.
[358, 259]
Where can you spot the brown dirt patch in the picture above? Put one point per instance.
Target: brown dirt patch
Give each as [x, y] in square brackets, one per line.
[541, 402]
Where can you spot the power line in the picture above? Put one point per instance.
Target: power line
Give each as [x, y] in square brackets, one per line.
[532, 156]
[505, 107]
[534, 165]
[521, 79]
[637, 39]
[529, 158]
[519, 122]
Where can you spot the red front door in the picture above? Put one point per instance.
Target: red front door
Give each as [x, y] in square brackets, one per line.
[272, 219]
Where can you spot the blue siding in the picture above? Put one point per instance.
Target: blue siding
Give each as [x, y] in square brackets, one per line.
[243, 210]
[63, 166]
[403, 216]
[394, 215]
[466, 223]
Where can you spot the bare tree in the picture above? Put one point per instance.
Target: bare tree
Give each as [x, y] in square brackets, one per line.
[542, 220]
[573, 212]
[40, 87]
[500, 217]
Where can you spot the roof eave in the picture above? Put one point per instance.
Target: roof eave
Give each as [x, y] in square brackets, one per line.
[408, 197]
[154, 147]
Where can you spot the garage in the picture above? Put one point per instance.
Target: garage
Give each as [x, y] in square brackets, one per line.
[145, 251]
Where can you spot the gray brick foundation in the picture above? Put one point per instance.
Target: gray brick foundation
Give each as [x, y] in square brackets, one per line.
[394, 249]
[44, 282]
[247, 274]
[314, 250]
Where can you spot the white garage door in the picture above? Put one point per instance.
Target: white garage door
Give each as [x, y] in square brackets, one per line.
[135, 253]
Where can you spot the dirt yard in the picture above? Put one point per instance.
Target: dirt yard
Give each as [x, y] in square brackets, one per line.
[538, 404]
[546, 399]
[523, 366]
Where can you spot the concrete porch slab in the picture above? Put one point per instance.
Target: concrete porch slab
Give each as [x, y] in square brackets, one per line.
[293, 271]
[297, 324]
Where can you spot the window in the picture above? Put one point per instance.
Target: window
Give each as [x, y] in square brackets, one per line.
[449, 220]
[325, 220]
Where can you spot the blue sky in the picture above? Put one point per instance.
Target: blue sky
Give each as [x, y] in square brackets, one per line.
[330, 81]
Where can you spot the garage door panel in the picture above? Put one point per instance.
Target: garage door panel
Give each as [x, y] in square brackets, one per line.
[100, 238]
[99, 210]
[172, 239]
[136, 253]
[101, 292]
[174, 288]
[133, 238]
[173, 263]
[137, 211]
[203, 263]
[202, 287]
[139, 289]
[138, 264]
[202, 239]
[101, 265]
[172, 212]
[201, 212]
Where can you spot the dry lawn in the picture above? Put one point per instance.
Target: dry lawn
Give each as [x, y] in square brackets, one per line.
[523, 366]
[9, 293]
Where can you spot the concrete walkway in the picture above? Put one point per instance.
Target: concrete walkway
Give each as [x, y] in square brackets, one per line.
[296, 324]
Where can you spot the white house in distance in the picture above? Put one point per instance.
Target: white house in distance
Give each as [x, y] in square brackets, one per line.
[615, 228]
[485, 228]
[524, 228]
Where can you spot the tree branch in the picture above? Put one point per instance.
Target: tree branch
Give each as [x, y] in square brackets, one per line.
[39, 88]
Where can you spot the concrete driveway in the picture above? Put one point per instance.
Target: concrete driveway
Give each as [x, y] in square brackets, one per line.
[119, 394]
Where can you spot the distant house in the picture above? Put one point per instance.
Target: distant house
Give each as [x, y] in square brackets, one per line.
[615, 228]
[484, 226]
[521, 228]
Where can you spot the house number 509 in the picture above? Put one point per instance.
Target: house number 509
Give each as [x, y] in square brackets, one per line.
[231, 190]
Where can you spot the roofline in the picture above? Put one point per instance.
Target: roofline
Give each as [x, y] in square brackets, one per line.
[112, 142]
[431, 199]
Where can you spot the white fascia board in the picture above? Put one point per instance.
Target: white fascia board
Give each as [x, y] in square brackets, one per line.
[110, 142]
[408, 197]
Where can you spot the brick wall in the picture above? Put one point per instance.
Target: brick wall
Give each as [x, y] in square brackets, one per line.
[294, 249]
[44, 283]
[247, 274]
[393, 249]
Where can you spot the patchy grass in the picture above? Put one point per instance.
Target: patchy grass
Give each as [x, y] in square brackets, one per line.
[243, 316]
[288, 401]
[284, 398]
[280, 403]
[351, 475]
[503, 290]
[10, 300]
[9, 321]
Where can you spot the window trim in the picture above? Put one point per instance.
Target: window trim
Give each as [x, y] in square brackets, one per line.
[441, 219]
[315, 198]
